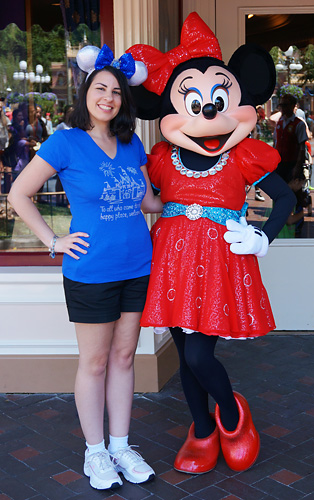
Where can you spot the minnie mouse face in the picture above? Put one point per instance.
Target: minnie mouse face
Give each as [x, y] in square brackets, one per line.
[204, 105]
[207, 115]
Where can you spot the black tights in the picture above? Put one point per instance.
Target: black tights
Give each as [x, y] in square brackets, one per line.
[202, 374]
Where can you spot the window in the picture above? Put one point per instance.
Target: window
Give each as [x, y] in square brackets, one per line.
[39, 81]
[289, 39]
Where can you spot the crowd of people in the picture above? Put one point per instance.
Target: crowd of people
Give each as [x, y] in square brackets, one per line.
[22, 131]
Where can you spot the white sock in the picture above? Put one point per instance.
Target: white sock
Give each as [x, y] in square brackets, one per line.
[96, 448]
[116, 443]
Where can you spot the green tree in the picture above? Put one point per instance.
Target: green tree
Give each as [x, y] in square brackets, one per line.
[276, 54]
[47, 46]
[82, 32]
[307, 61]
[13, 42]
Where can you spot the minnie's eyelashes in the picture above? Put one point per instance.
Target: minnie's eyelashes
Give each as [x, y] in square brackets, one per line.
[226, 84]
[183, 89]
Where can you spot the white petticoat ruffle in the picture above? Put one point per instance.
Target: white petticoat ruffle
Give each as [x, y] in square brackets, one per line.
[160, 330]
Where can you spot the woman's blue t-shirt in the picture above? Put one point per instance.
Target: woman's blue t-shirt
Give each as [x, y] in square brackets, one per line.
[105, 197]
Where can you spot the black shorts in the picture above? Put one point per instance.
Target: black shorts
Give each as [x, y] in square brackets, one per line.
[104, 302]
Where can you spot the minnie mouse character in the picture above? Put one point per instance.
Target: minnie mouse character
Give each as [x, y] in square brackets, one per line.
[205, 281]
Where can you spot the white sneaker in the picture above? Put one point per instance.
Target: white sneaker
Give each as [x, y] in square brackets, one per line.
[132, 465]
[99, 468]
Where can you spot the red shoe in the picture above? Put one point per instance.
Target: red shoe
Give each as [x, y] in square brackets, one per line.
[241, 446]
[197, 456]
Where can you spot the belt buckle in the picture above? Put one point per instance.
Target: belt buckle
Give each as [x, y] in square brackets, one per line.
[194, 212]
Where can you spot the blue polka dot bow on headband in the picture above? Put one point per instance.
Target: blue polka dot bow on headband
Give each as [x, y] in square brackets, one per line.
[125, 63]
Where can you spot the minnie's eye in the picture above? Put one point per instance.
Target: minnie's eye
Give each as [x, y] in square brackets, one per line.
[193, 103]
[220, 99]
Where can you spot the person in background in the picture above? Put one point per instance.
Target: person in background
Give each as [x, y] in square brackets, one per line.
[16, 155]
[49, 126]
[24, 108]
[24, 149]
[17, 120]
[39, 114]
[289, 139]
[36, 128]
[9, 113]
[65, 123]
[107, 255]
[295, 221]
[299, 112]
[309, 120]
[4, 123]
[4, 142]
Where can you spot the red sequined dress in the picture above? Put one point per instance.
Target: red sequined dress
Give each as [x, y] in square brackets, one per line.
[196, 282]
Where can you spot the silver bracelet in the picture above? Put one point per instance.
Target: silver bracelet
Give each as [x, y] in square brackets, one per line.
[52, 253]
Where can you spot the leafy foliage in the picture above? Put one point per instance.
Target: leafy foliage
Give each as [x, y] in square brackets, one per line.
[45, 48]
[307, 61]
[275, 53]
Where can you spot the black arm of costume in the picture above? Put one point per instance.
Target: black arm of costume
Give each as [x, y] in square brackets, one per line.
[284, 200]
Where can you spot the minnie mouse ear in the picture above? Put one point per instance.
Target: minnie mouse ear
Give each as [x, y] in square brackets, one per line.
[86, 58]
[140, 74]
[255, 70]
[148, 104]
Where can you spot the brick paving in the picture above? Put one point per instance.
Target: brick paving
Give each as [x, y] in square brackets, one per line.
[42, 447]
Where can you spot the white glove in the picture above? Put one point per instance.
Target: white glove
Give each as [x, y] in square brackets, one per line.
[246, 239]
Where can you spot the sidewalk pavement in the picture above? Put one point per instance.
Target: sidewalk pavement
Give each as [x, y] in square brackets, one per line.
[42, 447]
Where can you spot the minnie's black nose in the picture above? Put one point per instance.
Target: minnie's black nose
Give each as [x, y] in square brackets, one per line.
[209, 111]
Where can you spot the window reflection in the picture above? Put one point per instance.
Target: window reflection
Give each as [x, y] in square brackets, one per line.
[292, 79]
[39, 81]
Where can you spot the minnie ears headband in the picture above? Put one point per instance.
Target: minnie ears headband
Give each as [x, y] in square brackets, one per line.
[197, 40]
[91, 58]
[152, 67]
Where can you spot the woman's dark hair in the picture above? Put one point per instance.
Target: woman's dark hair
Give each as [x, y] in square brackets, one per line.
[14, 115]
[123, 125]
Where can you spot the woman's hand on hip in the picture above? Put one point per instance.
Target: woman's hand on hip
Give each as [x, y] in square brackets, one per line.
[66, 244]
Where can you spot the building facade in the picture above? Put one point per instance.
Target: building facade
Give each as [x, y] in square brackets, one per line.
[38, 350]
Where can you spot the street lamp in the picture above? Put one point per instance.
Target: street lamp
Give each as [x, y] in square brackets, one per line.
[38, 77]
[21, 75]
[33, 77]
[39, 71]
[290, 64]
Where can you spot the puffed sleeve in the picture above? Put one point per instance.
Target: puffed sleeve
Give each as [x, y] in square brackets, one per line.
[155, 163]
[255, 159]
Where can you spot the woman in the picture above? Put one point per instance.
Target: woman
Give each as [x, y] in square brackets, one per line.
[107, 256]
[36, 129]
[64, 124]
[4, 142]
[4, 123]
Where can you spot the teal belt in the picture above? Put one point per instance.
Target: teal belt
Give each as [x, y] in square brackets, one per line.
[195, 211]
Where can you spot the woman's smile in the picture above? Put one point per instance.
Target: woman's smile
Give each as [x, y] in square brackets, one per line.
[103, 98]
